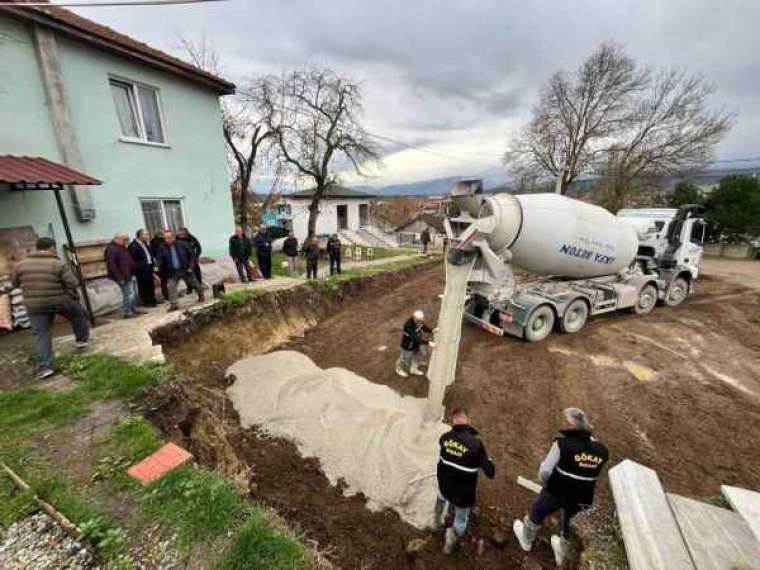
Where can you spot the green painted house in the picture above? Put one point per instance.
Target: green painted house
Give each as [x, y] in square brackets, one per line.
[145, 123]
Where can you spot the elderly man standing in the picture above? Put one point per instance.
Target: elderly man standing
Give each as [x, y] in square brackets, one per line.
[121, 269]
[569, 474]
[50, 289]
[177, 261]
[263, 242]
[240, 252]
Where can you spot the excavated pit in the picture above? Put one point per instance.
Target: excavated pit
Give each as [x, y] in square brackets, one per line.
[676, 390]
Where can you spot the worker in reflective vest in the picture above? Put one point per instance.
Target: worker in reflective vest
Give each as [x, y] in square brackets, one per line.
[462, 456]
[569, 474]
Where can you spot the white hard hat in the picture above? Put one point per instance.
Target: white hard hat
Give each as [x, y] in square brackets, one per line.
[419, 315]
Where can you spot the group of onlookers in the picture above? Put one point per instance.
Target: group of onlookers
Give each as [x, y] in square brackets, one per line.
[163, 261]
[242, 247]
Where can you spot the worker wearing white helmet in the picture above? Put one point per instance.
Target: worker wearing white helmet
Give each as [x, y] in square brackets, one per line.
[415, 340]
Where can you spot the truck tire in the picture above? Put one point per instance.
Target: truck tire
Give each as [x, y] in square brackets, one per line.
[677, 292]
[646, 301]
[575, 317]
[539, 324]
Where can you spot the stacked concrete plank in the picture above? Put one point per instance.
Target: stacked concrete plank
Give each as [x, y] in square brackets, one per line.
[665, 531]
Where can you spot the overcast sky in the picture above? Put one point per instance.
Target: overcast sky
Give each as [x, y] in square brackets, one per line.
[456, 77]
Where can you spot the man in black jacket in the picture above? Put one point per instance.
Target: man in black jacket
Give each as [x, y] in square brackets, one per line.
[312, 251]
[290, 249]
[333, 250]
[240, 252]
[462, 456]
[195, 245]
[569, 473]
[415, 341]
[156, 245]
[140, 251]
[176, 260]
[263, 243]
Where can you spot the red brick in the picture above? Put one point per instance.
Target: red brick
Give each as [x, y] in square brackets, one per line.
[160, 463]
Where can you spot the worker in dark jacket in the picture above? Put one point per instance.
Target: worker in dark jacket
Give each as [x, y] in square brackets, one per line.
[462, 456]
[312, 251]
[156, 245]
[50, 288]
[333, 250]
[240, 252]
[121, 269]
[290, 249]
[569, 473]
[140, 251]
[177, 260]
[415, 341]
[195, 245]
[262, 241]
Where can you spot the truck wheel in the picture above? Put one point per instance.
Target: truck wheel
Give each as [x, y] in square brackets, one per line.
[540, 324]
[575, 317]
[677, 292]
[646, 301]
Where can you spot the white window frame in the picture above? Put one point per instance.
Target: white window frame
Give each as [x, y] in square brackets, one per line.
[162, 199]
[133, 85]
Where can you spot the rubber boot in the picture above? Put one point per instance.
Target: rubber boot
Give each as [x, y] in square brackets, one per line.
[526, 532]
[450, 541]
[415, 370]
[400, 371]
[559, 546]
[441, 512]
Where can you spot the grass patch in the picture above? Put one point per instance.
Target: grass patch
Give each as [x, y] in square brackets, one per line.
[239, 297]
[14, 504]
[333, 281]
[257, 546]
[30, 412]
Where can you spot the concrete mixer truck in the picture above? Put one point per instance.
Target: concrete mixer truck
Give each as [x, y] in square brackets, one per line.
[581, 259]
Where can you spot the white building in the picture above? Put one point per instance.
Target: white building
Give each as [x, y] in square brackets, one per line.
[340, 210]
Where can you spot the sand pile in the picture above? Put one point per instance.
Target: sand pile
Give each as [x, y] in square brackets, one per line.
[364, 433]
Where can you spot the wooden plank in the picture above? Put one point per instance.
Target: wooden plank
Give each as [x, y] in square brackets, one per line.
[651, 535]
[718, 539]
[746, 503]
[531, 486]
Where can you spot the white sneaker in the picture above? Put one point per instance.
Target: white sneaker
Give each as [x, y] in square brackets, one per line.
[81, 344]
[519, 529]
[450, 541]
[558, 546]
[401, 372]
[416, 371]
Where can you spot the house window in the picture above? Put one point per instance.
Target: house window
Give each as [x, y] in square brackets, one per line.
[162, 214]
[139, 111]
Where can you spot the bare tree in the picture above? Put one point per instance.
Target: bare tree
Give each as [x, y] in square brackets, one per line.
[575, 114]
[671, 131]
[314, 115]
[619, 120]
[246, 130]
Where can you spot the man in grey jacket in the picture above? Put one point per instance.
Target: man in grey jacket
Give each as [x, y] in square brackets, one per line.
[50, 289]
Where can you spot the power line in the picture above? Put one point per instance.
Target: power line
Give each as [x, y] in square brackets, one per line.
[106, 3]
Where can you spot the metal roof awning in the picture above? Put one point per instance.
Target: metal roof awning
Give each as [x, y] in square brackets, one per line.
[37, 173]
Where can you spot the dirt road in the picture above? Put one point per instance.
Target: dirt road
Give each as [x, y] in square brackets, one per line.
[678, 390]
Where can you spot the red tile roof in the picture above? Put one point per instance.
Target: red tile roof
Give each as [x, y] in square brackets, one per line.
[105, 38]
[38, 170]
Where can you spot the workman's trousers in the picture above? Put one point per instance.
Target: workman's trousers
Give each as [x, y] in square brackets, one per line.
[547, 504]
[461, 515]
[334, 264]
[265, 265]
[42, 329]
[407, 358]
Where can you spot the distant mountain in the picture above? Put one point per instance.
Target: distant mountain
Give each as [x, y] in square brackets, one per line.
[438, 186]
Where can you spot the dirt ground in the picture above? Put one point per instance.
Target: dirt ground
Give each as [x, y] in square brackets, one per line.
[677, 390]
